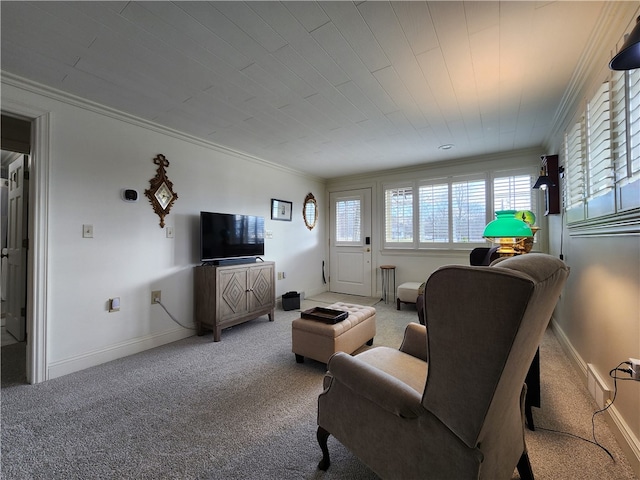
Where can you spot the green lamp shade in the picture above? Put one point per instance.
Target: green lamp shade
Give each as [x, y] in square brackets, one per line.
[507, 225]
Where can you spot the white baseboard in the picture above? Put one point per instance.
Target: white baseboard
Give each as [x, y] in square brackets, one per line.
[571, 352]
[113, 352]
[625, 437]
[627, 440]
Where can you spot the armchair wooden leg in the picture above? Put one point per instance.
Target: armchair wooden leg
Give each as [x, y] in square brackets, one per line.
[524, 467]
[323, 436]
[529, 416]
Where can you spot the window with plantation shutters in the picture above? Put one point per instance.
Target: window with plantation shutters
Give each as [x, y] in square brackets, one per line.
[434, 213]
[601, 181]
[601, 154]
[575, 168]
[452, 212]
[599, 161]
[398, 215]
[468, 211]
[348, 221]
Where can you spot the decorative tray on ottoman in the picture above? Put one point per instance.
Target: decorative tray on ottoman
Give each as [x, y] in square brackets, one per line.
[325, 315]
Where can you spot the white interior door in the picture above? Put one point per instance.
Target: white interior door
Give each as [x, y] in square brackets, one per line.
[17, 251]
[350, 242]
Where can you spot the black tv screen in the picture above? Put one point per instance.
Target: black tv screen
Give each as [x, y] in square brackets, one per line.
[224, 235]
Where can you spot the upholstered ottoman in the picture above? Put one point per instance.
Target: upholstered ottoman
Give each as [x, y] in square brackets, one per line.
[408, 293]
[318, 340]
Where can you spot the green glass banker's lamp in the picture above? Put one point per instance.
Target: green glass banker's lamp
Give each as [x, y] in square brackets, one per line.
[509, 232]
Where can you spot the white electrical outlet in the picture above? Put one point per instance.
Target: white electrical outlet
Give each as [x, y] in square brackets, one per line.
[156, 296]
[598, 388]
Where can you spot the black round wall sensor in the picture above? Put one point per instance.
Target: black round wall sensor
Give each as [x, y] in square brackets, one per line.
[129, 195]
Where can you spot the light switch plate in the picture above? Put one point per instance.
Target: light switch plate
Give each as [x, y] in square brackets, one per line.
[87, 231]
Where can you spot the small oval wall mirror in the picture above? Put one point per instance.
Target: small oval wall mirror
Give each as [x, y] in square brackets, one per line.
[310, 211]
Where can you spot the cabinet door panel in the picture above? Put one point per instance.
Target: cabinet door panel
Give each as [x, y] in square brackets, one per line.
[262, 286]
[233, 293]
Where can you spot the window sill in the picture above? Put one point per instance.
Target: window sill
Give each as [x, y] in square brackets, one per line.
[625, 223]
[431, 252]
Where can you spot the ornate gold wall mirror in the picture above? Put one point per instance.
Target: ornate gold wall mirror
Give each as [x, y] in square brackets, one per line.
[310, 211]
[160, 192]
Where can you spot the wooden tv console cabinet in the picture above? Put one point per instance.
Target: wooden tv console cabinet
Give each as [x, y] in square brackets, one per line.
[232, 294]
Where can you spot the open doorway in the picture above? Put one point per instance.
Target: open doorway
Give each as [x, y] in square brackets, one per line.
[16, 139]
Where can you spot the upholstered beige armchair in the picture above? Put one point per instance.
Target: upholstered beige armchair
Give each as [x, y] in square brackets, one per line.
[448, 403]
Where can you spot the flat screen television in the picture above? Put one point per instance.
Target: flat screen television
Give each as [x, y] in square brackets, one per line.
[226, 236]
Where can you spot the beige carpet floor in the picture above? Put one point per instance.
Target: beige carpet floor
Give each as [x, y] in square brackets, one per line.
[327, 298]
[243, 409]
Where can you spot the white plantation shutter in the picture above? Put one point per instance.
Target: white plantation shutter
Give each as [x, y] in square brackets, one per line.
[434, 213]
[399, 214]
[575, 168]
[512, 193]
[564, 159]
[619, 123]
[633, 169]
[468, 211]
[348, 220]
[599, 162]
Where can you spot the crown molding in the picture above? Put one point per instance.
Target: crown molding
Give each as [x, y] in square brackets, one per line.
[22, 83]
[501, 160]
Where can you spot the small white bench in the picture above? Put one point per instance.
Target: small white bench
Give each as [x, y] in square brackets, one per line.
[408, 293]
[318, 340]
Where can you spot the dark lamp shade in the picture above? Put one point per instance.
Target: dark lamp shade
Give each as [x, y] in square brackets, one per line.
[506, 225]
[543, 182]
[628, 57]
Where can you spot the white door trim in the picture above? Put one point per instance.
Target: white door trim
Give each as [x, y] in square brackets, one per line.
[37, 274]
[37, 263]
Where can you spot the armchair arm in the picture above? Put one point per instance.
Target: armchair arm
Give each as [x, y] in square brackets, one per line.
[379, 387]
[415, 341]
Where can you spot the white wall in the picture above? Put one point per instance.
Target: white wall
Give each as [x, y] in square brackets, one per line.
[93, 155]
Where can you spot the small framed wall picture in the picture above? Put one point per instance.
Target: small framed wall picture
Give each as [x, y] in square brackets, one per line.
[281, 210]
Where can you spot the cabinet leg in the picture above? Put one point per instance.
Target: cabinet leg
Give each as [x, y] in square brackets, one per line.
[217, 333]
[272, 315]
[299, 358]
